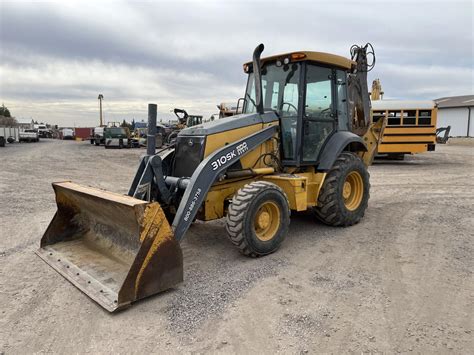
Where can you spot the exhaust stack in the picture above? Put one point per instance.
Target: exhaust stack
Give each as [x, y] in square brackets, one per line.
[151, 135]
[257, 72]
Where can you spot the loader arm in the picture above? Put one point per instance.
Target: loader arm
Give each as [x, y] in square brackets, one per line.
[150, 176]
[150, 171]
[206, 174]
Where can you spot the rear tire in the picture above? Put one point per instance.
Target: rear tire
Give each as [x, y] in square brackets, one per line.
[258, 218]
[345, 193]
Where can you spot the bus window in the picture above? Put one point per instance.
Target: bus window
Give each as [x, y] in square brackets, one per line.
[377, 115]
[394, 118]
[409, 117]
[424, 117]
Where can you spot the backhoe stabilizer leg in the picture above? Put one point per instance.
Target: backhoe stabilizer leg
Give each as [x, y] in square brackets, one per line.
[372, 138]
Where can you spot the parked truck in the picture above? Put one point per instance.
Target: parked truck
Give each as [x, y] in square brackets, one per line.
[98, 136]
[117, 137]
[29, 135]
[67, 133]
[43, 131]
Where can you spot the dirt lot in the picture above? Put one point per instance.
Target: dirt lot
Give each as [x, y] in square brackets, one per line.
[399, 281]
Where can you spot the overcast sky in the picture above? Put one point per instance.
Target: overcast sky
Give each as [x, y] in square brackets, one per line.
[56, 57]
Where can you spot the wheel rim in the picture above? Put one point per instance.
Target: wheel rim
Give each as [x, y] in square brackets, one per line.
[353, 190]
[267, 221]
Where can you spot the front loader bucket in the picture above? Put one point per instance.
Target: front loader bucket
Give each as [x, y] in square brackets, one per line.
[115, 248]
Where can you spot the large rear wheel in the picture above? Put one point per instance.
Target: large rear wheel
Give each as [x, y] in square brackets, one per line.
[258, 218]
[344, 195]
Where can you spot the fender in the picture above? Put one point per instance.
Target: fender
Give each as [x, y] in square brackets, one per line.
[335, 145]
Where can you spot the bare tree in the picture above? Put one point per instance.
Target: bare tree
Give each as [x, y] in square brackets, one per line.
[8, 121]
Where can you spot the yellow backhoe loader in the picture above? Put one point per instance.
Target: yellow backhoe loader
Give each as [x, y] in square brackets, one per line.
[303, 141]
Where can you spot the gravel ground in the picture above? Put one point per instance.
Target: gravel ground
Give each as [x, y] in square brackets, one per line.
[399, 281]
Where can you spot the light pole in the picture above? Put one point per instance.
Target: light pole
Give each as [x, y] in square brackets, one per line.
[101, 97]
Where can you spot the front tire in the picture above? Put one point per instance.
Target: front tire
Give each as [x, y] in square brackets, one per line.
[258, 218]
[345, 193]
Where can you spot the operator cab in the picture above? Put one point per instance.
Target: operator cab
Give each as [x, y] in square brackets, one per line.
[308, 90]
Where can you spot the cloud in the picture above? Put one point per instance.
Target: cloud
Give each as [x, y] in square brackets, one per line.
[57, 57]
[425, 81]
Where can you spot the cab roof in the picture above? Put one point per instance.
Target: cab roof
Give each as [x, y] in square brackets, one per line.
[319, 57]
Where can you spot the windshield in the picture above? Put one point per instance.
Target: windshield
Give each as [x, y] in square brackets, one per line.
[280, 92]
[279, 89]
[116, 130]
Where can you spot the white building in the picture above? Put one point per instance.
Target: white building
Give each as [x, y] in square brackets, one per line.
[25, 123]
[457, 112]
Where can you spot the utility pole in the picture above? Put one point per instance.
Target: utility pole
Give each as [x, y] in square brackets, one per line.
[100, 98]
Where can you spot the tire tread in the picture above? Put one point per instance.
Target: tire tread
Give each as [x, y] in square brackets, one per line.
[236, 214]
[328, 210]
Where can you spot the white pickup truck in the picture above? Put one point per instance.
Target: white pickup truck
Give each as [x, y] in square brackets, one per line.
[67, 133]
[29, 135]
[43, 131]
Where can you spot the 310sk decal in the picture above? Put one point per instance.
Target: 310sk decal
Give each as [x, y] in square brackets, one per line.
[216, 164]
[239, 150]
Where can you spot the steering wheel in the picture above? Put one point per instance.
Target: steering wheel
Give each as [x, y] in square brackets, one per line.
[290, 105]
[326, 112]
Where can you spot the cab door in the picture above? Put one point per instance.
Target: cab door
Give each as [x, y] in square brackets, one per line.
[319, 112]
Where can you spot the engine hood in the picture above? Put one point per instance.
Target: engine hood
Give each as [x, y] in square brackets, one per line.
[229, 123]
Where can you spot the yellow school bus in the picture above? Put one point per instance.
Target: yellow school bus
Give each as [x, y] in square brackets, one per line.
[411, 126]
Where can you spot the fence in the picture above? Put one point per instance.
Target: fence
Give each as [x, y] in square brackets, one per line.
[10, 132]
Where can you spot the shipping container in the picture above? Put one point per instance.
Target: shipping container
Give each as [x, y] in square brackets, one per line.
[83, 133]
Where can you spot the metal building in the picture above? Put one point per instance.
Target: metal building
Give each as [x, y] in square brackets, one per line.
[457, 112]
